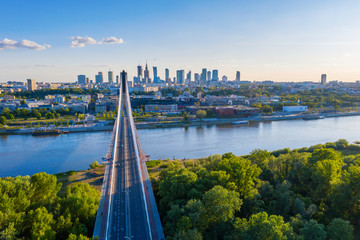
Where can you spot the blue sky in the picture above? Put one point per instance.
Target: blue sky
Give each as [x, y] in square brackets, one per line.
[265, 40]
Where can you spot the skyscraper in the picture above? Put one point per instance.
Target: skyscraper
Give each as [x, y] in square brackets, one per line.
[110, 76]
[31, 84]
[99, 78]
[215, 75]
[323, 79]
[156, 80]
[196, 78]
[167, 76]
[203, 75]
[208, 76]
[81, 79]
[117, 79]
[237, 76]
[139, 71]
[146, 74]
[188, 76]
[180, 76]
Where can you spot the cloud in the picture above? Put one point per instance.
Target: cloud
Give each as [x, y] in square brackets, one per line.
[111, 40]
[82, 41]
[12, 44]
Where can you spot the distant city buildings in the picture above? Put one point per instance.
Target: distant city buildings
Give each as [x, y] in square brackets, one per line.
[167, 76]
[156, 78]
[81, 79]
[188, 76]
[208, 76]
[203, 75]
[215, 75]
[323, 79]
[180, 76]
[237, 76]
[146, 75]
[110, 76]
[31, 85]
[139, 71]
[99, 79]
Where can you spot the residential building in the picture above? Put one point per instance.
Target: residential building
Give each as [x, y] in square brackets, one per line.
[31, 84]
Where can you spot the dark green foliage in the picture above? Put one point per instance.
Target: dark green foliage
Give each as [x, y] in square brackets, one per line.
[31, 208]
[308, 193]
[153, 163]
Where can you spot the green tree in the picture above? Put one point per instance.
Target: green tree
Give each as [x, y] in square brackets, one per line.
[192, 234]
[22, 101]
[242, 173]
[46, 188]
[82, 202]
[200, 114]
[217, 206]
[41, 222]
[2, 120]
[313, 231]
[94, 165]
[260, 226]
[340, 229]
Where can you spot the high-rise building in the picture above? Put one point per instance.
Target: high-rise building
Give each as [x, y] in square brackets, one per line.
[167, 75]
[203, 75]
[188, 76]
[215, 75]
[208, 76]
[81, 79]
[146, 74]
[117, 79]
[323, 79]
[99, 79]
[237, 76]
[156, 80]
[87, 80]
[31, 84]
[180, 76]
[139, 71]
[224, 78]
[196, 77]
[110, 76]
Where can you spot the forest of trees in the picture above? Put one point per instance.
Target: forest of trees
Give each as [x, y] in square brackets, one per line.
[308, 193]
[35, 208]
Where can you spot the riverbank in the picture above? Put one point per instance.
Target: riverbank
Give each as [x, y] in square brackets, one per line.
[226, 121]
[189, 123]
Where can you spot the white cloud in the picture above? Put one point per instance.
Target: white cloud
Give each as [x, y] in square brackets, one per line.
[12, 44]
[82, 41]
[111, 40]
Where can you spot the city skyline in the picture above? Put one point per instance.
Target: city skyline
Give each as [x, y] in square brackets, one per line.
[282, 41]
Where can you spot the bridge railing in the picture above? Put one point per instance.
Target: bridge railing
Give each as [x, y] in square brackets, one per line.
[136, 142]
[114, 154]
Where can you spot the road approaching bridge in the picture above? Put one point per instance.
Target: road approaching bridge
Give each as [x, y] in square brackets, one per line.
[127, 209]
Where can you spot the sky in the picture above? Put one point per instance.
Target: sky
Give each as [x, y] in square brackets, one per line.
[279, 40]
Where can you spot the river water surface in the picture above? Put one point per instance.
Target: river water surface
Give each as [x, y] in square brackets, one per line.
[26, 155]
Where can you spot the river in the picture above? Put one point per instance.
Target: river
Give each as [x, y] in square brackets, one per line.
[26, 155]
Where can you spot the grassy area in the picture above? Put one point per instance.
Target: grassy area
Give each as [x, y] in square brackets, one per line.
[92, 176]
